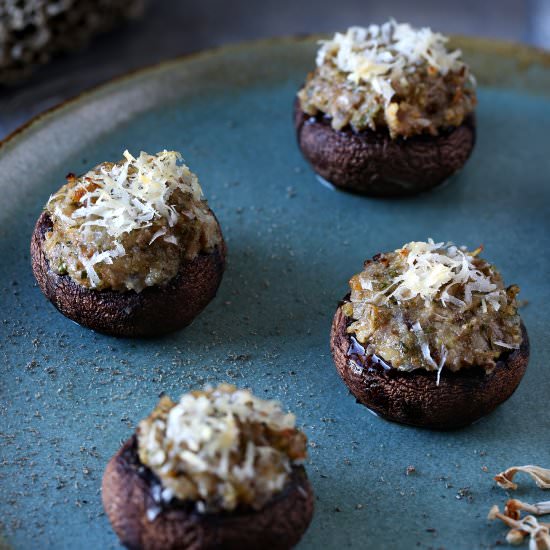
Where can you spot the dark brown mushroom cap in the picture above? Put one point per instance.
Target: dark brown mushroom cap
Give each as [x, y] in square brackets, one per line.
[154, 311]
[127, 495]
[414, 398]
[372, 163]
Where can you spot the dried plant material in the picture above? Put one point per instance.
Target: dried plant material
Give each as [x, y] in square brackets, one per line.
[493, 513]
[541, 540]
[514, 506]
[541, 476]
[539, 533]
[515, 537]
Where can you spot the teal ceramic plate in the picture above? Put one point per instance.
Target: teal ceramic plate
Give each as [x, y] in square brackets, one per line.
[69, 396]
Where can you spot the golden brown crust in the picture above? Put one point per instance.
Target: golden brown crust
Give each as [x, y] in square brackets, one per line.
[152, 312]
[371, 163]
[414, 397]
[126, 494]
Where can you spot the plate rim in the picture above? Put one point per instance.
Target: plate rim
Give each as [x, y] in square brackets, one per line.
[521, 52]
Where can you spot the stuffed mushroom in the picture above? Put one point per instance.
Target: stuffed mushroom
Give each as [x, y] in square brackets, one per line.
[130, 248]
[220, 468]
[388, 110]
[430, 336]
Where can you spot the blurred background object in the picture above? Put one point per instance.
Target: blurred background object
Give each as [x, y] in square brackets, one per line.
[31, 31]
[34, 29]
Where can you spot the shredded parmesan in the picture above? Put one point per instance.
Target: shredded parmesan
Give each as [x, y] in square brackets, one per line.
[212, 446]
[433, 305]
[379, 54]
[157, 234]
[433, 269]
[505, 345]
[115, 199]
[130, 195]
[426, 354]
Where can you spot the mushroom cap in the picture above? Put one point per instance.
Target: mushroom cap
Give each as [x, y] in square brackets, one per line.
[414, 398]
[154, 311]
[126, 494]
[372, 163]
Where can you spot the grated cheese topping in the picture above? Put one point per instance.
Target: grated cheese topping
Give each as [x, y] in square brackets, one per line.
[100, 214]
[426, 353]
[433, 269]
[221, 447]
[130, 195]
[378, 54]
[433, 305]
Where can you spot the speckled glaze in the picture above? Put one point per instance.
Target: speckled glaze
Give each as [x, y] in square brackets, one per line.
[69, 396]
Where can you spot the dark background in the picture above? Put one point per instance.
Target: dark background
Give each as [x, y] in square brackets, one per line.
[169, 28]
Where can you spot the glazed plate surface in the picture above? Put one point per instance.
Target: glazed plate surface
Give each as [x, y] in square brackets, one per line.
[70, 396]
